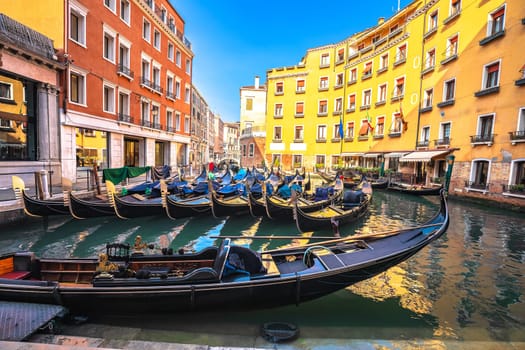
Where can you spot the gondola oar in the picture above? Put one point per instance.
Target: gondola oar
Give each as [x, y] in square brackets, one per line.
[272, 237]
[361, 236]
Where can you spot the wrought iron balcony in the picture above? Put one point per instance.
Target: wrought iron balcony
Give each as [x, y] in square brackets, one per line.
[124, 70]
[125, 118]
[146, 82]
[487, 138]
[146, 123]
[424, 143]
[442, 142]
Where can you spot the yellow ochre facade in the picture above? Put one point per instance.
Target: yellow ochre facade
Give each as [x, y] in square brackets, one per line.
[441, 80]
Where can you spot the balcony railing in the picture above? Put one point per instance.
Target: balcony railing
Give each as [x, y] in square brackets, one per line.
[488, 138]
[146, 82]
[424, 143]
[125, 118]
[124, 70]
[442, 142]
[146, 123]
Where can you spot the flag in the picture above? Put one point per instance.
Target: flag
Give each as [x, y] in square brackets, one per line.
[341, 130]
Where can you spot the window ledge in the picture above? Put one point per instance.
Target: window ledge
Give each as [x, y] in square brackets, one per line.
[363, 138]
[380, 103]
[449, 59]
[350, 82]
[277, 141]
[7, 101]
[395, 134]
[364, 107]
[427, 70]
[335, 140]
[430, 32]
[446, 103]
[520, 82]
[324, 114]
[494, 36]
[298, 141]
[425, 109]
[321, 66]
[277, 117]
[299, 91]
[299, 115]
[378, 137]
[511, 194]
[320, 140]
[366, 76]
[336, 113]
[400, 61]
[349, 139]
[350, 110]
[322, 89]
[488, 91]
[451, 17]
[381, 70]
[396, 98]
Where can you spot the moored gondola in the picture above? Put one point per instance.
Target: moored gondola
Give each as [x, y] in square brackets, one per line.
[82, 208]
[416, 190]
[177, 207]
[124, 280]
[135, 205]
[38, 207]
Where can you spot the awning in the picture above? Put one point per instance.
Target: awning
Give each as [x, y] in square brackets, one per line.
[395, 154]
[422, 156]
[371, 155]
[351, 154]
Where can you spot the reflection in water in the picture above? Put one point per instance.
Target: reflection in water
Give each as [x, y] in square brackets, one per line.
[468, 285]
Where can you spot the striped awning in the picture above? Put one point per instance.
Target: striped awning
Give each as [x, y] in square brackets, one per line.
[395, 154]
[371, 155]
[422, 156]
[351, 154]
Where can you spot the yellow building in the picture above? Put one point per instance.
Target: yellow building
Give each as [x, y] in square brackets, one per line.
[439, 78]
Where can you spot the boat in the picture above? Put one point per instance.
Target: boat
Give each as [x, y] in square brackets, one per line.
[35, 206]
[124, 281]
[328, 177]
[379, 183]
[235, 205]
[135, 205]
[415, 189]
[178, 207]
[282, 208]
[83, 208]
[354, 205]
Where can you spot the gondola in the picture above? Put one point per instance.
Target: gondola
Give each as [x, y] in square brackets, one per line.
[235, 205]
[38, 207]
[415, 189]
[123, 281]
[379, 183]
[135, 205]
[354, 205]
[82, 208]
[329, 178]
[281, 208]
[177, 207]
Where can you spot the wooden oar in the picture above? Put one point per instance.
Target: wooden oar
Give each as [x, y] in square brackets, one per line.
[361, 237]
[272, 237]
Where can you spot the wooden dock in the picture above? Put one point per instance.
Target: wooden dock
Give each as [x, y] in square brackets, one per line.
[20, 320]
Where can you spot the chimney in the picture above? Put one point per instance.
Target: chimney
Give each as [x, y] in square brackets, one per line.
[256, 81]
[380, 21]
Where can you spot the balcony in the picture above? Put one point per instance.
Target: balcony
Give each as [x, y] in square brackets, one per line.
[125, 118]
[487, 139]
[144, 81]
[157, 88]
[423, 144]
[171, 129]
[517, 137]
[444, 142]
[125, 71]
[146, 123]
[170, 95]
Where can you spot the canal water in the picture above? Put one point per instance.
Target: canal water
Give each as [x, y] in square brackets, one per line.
[468, 286]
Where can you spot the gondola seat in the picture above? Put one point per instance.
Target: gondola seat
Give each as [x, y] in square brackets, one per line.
[352, 199]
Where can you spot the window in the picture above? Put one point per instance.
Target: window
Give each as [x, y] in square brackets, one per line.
[276, 159]
[278, 111]
[479, 174]
[299, 133]
[171, 51]
[325, 60]
[323, 83]
[383, 62]
[485, 125]
[299, 108]
[156, 116]
[520, 130]
[381, 93]
[177, 121]
[340, 55]
[277, 133]
[156, 39]
[251, 150]
[365, 126]
[279, 88]
[491, 75]
[77, 87]
[187, 95]
[187, 124]
[430, 60]
[444, 134]
[156, 79]
[455, 7]
[353, 75]
[339, 79]
[323, 107]
[125, 10]
[401, 54]
[111, 4]
[367, 71]
[321, 132]
[427, 101]
[188, 66]
[335, 131]
[123, 107]
[6, 91]
[367, 98]
[338, 105]
[449, 90]
[425, 136]
[399, 90]
[77, 23]
[249, 104]
[144, 114]
[177, 89]
[109, 45]
[146, 30]
[300, 85]
[351, 102]
[169, 86]
[297, 160]
[517, 172]
[452, 46]
[349, 130]
[320, 160]
[380, 126]
[124, 58]
[397, 123]
[178, 59]
[432, 21]
[496, 22]
[109, 98]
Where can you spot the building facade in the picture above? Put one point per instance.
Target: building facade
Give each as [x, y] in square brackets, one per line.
[426, 84]
[231, 142]
[252, 123]
[126, 91]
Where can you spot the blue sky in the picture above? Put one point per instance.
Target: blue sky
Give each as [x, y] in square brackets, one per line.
[234, 41]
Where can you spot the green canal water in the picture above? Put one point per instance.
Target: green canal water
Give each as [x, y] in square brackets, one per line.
[468, 286]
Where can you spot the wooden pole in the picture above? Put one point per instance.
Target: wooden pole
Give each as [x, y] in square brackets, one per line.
[96, 180]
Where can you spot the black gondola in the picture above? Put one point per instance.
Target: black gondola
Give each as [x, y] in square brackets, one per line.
[355, 204]
[81, 208]
[38, 207]
[210, 279]
[229, 206]
[135, 205]
[177, 207]
[379, 183]
[415, 189]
